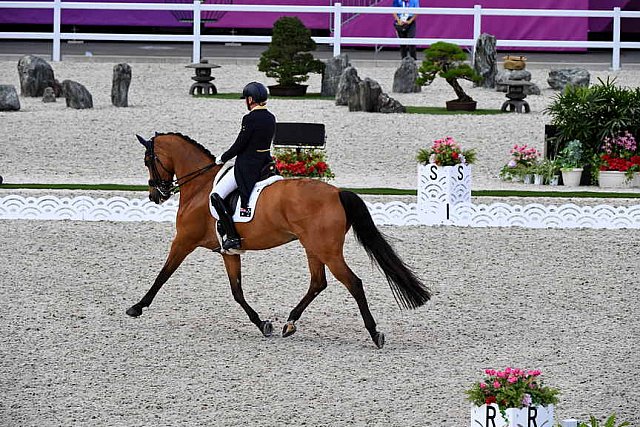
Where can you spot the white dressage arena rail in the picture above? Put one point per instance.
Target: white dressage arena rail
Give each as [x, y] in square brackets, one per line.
[444, 198]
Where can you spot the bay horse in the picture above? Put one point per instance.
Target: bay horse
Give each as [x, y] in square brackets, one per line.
[317, 214]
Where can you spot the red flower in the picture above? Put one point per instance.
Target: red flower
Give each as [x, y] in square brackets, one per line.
[490, 399]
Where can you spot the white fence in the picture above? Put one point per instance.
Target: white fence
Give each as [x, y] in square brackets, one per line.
[336, 40]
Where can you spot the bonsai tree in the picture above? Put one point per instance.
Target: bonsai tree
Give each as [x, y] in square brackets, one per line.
[288, 58]
[447, 61]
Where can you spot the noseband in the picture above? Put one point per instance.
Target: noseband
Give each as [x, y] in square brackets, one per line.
[169, 187]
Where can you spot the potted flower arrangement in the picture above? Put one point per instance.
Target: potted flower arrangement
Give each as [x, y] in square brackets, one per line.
[618, 161]
[522, 164]
[516, 394]
[571, 160]
[446, 152]
[288, 58]
[295, 163]
[447, 61]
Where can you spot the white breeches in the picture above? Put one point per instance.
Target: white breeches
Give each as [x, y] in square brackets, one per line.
[226, 185]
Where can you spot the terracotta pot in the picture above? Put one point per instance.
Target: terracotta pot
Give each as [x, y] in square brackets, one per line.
[456, 105]
[296, 90]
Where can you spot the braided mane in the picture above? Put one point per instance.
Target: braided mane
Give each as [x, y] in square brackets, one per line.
[190, 141]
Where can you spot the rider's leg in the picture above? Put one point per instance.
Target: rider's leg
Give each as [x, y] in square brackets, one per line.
[226, 185]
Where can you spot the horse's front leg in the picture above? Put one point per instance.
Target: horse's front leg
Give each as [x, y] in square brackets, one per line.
[177, 254]
[233, 266]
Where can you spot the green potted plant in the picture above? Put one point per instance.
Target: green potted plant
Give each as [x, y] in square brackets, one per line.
[548, 170]
[288, 58]
[571, 161]
[447, 60]
[591, 114]
[609, 422]
[515, 394]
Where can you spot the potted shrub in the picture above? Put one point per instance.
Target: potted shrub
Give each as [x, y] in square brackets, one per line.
[446, 152]
[523, 162]
[447, 61]
[516, 395]
[296, 163]
[548, 169]
[571, 163]
[288, 58]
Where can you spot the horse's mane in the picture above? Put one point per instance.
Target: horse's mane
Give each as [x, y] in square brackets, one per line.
[190, 141]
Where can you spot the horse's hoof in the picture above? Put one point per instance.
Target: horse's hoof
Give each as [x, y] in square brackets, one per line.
[379, 339]
[266, 327]
[135, 311]
[288, 329]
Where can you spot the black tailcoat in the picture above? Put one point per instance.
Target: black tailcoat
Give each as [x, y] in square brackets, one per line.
[251, 149]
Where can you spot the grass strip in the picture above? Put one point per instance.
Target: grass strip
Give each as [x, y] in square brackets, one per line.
[443, 111]
[238, 95]
[376, 191]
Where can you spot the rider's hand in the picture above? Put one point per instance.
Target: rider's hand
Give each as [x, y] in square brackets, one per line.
[219, 161]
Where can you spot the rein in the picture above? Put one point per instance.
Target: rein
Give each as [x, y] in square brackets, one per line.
[167, 188]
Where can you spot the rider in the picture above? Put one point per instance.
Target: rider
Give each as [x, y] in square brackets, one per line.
[251, 150]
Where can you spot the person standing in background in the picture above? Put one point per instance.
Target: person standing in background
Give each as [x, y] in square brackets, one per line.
[405, 25]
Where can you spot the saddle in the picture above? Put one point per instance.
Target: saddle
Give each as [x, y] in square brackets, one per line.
[231, 201]
[268, 175]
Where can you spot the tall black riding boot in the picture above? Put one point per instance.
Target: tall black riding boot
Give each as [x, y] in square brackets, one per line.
[230, 238]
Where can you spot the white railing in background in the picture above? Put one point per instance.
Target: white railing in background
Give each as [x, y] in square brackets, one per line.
[336, 39]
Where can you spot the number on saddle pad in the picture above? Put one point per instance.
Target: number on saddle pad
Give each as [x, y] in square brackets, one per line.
[299, 135]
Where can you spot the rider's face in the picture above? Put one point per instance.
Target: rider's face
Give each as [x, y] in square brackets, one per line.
[249, 101]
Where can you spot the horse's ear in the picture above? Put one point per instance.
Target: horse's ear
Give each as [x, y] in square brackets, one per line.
[143, 141]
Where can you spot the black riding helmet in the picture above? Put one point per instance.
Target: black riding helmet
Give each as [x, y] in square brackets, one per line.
[255, 90]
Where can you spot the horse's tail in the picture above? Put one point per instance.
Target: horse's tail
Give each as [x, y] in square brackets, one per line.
[407, 289]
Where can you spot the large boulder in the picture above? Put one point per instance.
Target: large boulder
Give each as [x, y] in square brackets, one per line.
[559, 79]
[369, 91]
[404, 79]
[120, 85]
[331, 75]
[348, 86]
[77, 96]
[484, 60]
[9, 100]
[35, 75]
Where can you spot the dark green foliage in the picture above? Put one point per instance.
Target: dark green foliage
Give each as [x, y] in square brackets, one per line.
[288, 58]
[447, 61]
[590, 114]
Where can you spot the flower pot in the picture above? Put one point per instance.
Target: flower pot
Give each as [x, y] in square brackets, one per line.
[528, 179]
[635, 182]
[490, 416]
[613, 179]
[571, 177]
[554, 180]
[456, 105]
[295, 90]
[538, 179]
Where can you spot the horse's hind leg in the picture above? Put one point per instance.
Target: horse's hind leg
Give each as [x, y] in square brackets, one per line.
[233, 266]
[318, 284]
[343, 273]
[177, 254]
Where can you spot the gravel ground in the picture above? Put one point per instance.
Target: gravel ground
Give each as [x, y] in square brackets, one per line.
[53, 143]
[563, 301]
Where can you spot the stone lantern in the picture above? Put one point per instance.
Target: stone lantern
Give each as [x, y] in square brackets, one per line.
[203, 85]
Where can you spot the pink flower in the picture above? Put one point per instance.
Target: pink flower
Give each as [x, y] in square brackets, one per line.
[526, 400]
[512, 379]
[496, 384]
[483, 385]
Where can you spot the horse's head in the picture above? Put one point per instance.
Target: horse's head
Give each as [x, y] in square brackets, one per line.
[161, 172]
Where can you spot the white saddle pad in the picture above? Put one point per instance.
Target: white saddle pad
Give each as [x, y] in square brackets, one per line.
[253, 199]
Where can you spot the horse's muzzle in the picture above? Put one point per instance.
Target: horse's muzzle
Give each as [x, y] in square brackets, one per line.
[156, 197]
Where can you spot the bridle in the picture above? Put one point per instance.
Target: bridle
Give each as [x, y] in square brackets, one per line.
[168, 187]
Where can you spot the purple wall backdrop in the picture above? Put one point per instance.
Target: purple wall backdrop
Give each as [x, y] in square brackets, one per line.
[540, 28]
